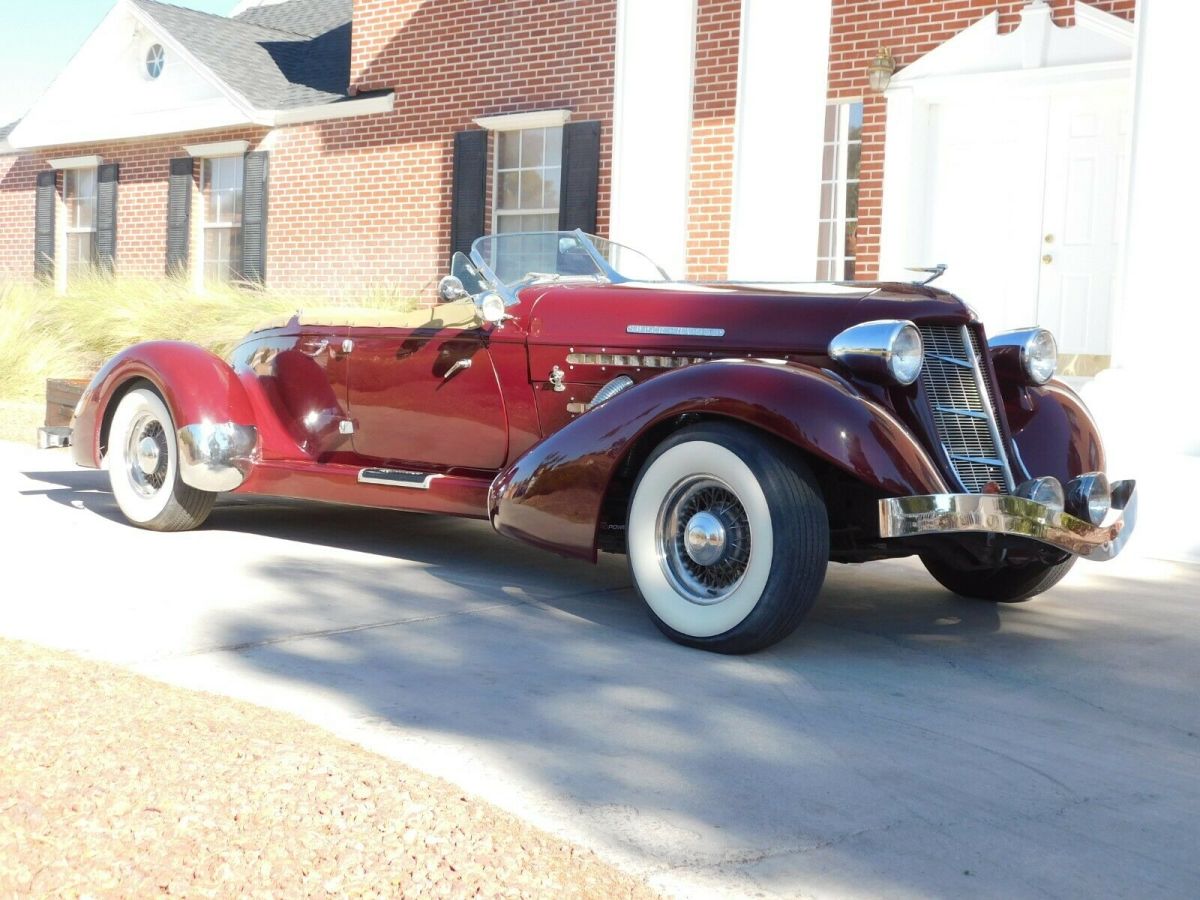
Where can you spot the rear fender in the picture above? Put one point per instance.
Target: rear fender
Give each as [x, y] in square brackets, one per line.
[552, 496]
[198, 387]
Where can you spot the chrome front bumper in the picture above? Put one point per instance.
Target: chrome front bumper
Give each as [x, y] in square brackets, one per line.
[1005, 514]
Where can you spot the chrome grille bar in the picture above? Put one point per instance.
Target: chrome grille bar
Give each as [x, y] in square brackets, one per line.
[963, 408]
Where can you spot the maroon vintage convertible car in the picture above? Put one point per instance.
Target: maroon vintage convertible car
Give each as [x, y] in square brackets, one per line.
[731, 439]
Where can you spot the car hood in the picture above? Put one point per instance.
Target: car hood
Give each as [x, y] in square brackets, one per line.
[724, 318]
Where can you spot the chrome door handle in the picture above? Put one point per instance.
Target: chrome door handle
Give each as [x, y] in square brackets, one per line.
[314, 348]
[459, 365]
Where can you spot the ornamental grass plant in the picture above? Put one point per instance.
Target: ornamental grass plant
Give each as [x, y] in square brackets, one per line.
[46, 335]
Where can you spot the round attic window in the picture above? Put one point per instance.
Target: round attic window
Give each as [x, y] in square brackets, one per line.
[156, 58]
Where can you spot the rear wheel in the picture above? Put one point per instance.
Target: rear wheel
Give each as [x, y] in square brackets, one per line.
[1000, 584]
[143, 467]
[728, 538]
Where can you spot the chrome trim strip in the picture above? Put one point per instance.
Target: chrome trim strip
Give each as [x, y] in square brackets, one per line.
[678, 330]
[216, 456]
[954, 360]
[365, 478]
[985, 394]
[969, 413]
[982, 460]
[1006, 514]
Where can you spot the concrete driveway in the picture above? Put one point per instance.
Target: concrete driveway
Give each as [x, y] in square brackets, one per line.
[903, 743]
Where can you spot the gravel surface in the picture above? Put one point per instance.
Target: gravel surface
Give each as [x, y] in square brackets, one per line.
[115, 785]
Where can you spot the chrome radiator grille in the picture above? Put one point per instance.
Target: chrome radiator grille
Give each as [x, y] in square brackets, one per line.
[964, 410]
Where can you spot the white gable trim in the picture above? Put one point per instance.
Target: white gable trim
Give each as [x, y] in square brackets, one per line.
[1096, 38]
[76, 162]
[218, 148]
[169, 41]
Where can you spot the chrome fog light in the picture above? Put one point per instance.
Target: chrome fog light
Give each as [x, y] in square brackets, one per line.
[883, 350]
[1047, 490]
[1089, 497]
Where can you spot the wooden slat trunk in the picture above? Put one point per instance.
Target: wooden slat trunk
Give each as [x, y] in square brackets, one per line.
[61, 396]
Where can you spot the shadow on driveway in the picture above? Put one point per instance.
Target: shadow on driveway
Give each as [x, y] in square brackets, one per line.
[902, 741]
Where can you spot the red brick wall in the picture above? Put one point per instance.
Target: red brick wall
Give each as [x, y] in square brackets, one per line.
[449, 61]
[365, 202]
[141, 199]
[910, 29]
[710, 206]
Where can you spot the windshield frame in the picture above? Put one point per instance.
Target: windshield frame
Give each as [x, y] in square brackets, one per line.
[606, 274]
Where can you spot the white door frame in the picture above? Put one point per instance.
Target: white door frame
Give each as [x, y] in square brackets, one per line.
[1038, 57]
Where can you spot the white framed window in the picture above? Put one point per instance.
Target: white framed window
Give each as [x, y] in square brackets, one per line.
[527, 175]
[221, 180]
[156, 61]
[837, 231]
[79, 204]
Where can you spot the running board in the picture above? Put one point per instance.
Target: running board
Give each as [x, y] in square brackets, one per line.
[397, 478]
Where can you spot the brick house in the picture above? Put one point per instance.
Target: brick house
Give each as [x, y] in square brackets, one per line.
[727, 138]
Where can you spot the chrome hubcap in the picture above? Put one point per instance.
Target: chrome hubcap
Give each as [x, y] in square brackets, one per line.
[703, 539]
[148, 455]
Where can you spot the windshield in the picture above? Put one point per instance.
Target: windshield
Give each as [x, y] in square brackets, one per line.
[560, 256]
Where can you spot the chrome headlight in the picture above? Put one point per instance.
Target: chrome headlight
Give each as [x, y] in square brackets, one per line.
[884, 350]
[1035, 350]
[1089, 497]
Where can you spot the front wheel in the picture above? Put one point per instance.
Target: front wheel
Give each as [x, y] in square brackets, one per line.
[728, 538]
[143, 467]
[1007, 583]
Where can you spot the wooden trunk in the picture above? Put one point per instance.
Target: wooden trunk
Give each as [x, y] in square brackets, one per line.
[61, 396]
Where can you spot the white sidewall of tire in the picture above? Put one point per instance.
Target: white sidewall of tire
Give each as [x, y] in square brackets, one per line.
[679, 462]
[133, 505]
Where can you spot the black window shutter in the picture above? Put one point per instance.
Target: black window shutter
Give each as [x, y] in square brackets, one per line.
[179, 214]
[106, 217]
[254, 217]
[43, 230]
[469, 198]
[580, 176]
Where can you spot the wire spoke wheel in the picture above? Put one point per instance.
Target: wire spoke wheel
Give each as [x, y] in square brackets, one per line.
[704, 539]
[147, 455]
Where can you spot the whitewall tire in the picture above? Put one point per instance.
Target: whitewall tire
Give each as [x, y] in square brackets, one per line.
[143, 467]
[728, 538]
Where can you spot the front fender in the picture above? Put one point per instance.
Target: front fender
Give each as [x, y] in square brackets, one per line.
[197, 386]
[552, 495]
[1053, 431]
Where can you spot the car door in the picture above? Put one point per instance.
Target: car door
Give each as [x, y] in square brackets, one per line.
[424, 392]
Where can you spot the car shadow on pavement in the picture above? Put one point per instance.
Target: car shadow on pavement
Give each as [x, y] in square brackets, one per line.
[903, 740]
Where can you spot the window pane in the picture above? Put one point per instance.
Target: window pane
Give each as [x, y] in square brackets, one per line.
[222, 253]
[508, 154]
[831, 113]
[825, 239]
[554, 146]
[856, 120]
[853, 159]
[532, 147]
[852, 200]
[531, 190]
[827, 200]
[851, 239]
[550, 187]
[829, 162]
[508, 224]
[509, 186]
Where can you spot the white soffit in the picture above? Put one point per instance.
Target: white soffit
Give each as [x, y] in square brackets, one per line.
[75, 162]
[218, 148]
[1037, 43]
[542, 118]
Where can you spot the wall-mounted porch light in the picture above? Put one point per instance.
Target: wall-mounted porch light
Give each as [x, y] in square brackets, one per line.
[879, 72]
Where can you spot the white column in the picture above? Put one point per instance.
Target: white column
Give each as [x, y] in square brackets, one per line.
[1160, 307]
[782, 93]
[652, 126]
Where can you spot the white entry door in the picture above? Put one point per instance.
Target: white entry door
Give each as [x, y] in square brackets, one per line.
[1023, 200]
[1083, 218]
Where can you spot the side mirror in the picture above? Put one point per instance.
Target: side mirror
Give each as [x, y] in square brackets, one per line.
[451, 288]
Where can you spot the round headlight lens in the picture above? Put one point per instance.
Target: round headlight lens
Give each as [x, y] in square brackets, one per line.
[906, 355]
[1089, 497]
[491, 306]
[1041, 356]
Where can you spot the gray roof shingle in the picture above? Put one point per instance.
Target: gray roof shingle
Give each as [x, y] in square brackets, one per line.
[272, 66]
[307, 17]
